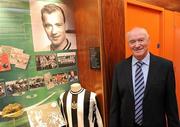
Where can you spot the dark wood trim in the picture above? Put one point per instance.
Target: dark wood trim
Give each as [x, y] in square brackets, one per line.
[113, 43]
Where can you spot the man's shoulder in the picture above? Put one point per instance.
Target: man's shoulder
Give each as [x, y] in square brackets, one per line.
[124, 63]
[160, 59]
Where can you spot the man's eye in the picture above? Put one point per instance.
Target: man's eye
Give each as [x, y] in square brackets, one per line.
[132, 41]
[140, 40]
[47, 25]
[59, 24]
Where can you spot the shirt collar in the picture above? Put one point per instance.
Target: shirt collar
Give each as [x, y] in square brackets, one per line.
[146, 59]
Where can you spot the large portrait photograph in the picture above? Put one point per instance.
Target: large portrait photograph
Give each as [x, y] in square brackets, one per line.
[52, 26]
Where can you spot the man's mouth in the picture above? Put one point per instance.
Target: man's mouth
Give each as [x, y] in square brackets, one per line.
[55, 38]
[138, 50]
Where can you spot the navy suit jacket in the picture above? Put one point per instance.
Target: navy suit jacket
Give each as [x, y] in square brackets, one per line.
[159, 100]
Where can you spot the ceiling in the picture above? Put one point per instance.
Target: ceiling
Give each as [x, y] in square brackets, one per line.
[173, 5]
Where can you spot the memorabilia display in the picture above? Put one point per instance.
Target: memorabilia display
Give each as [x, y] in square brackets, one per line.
[95, 61]
[66, 59]
[11, 55]
[36, 82]
[60, 78]
[80, 107]
[46, 115]
[48, 80]
[64, 38]
[16, 87]
[2, 89]
[4, 62]
[22, 61]
[45, 62]
[5, 49]
[15, 53]
[12, 110]
[29, 74]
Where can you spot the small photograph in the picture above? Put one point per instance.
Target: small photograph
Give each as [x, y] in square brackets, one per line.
[72, 76]
[36, 82]
[16, 87]
[46, 115]
[66, 59]
[45, 62]
[60, 78]
[2, 89]
[15, 53]
[4, 62]
[5, 49]
[10, 88]
[49, 80]
[22, 61]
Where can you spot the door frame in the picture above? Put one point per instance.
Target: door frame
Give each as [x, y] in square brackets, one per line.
[151, 7]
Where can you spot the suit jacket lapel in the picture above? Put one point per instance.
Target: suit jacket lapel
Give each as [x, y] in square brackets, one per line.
[129, 75]
[152, 69]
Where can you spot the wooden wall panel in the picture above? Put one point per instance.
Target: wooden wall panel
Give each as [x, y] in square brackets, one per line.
[113, 42]
[88, 32]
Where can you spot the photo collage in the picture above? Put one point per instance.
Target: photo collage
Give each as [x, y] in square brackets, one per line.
[11, 55]
[52, 61]
[36, 65]
[48, 80]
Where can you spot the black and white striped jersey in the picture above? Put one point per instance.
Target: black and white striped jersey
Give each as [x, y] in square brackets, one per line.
[81, 109]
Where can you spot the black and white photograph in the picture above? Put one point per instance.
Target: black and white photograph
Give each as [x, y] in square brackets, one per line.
[2, 89]
[45, 62]
[66, 59]
[16, 87]
[36, 82]
[53, 26]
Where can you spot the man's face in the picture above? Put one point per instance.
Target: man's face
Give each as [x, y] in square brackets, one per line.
[55, 27]
[138, 43]
[72, 73]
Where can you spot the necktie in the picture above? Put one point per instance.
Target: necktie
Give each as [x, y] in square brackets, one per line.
[139, 93]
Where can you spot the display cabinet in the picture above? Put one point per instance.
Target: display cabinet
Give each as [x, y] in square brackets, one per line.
[33, 77]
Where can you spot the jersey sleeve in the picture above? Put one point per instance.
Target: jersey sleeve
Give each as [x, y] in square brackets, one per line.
[96, 113]
[61, 103]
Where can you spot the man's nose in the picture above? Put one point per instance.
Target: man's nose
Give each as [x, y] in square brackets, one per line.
[137, 44]
[54, 30]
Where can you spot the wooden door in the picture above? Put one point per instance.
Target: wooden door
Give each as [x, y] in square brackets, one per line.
[149, 17]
